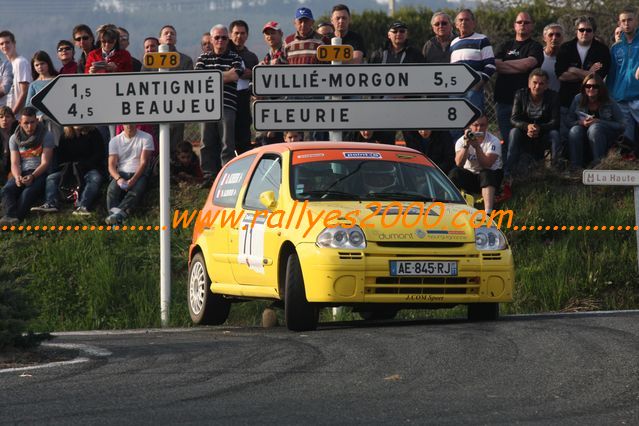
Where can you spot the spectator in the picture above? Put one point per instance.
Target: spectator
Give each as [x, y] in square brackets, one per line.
[301, 47]
[326, 29]
[109, 57]
[293, 136]
[576, 59]
[21, 72]
[624, 88]
[206, 45]
[514, 61]
[243, 120]
[437, 49]
[6, 79]
[595, 119]
[42, 72]
[273, 39]
[341, 20]
[31, 149]
[553, 37]
[616, 38]
[185, 165]
[84, 148]
[85, 42]
[218, 138]
[129, 155]
[437, 145]
[397, 49]
[475, 50]
[151, 45]
[535, 122]
[124, 45]
[478, 162]
[370, 136]
[66, 54]
[8, 126]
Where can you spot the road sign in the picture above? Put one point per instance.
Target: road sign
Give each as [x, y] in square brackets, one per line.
[342, 52]
[162, 60]
[381, 114]
[611, 177]
[119, 98]
[370, 79]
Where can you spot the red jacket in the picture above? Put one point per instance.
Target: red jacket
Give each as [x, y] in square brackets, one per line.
[121, 58]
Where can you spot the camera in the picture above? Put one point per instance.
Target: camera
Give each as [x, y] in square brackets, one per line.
[471, 136]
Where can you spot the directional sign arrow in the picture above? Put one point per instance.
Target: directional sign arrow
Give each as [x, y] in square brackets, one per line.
[369, 79]
[119, 98]
[381, 114]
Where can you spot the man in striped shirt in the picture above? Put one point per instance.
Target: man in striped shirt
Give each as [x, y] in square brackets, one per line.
[218, 138]
[475, 50]
[301, 47]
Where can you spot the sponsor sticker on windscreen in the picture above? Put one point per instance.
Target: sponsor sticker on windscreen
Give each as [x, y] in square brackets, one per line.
[362, 155]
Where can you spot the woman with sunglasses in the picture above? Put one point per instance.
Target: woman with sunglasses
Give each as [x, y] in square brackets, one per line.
[66, 52]
[595, 119]
[108, 57]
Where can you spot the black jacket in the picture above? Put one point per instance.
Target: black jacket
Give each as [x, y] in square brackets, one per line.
[549, 119]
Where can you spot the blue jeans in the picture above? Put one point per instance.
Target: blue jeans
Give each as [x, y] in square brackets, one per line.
[519, 142]
[125, 200]
[17, 200]
[91, 186]
[630, 112]
[600, 138]
[504, 111]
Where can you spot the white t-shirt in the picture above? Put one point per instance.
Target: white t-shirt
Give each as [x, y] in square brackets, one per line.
[490, 145]
[549, 66]
[21, 74]
[129, 151]
[583, 51]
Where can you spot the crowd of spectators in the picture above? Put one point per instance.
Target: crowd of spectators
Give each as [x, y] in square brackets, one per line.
[566, 100]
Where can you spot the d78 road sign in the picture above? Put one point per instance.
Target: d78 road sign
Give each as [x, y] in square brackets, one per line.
[340, 53]
[162, 60]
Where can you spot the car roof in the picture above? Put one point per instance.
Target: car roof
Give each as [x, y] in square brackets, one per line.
[305, 146]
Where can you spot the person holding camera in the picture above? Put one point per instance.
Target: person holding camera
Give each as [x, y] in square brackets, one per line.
[478, 162]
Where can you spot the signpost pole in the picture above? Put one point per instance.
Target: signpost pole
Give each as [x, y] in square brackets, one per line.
[165, 204]
[636, 189]
[333, 135]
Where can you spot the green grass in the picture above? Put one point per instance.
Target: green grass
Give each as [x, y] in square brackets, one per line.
[110, 279]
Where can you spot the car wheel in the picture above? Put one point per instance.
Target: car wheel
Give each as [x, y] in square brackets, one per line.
[300, 315]
[483, 311]
[378, 314]
[205, 307]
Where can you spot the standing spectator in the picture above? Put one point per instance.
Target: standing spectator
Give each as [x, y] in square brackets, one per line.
[124, 45]
[151, 44]
[437, 49]
[595, 119]
[535, 121]
[301, 47]
[623, 86]
[243, 120]
[129, 155]
[218, 138]
[437, 145]
[8, 125]
[84, 147]
[478, 162]
[514, 61]
[85, 42]
[66, 54]
[616, 38]
[109, 57]
[475, 50]
[21, 72]
[43, 72]
[206, 44]
[576, 59]
[6, 79]
[31, 149]
[273, 39]
[553, 37]
[326, 29]
[341, 20]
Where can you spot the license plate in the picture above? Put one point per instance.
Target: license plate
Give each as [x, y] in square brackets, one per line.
[427, 268]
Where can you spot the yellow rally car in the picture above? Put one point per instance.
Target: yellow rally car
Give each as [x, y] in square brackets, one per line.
[315, 224]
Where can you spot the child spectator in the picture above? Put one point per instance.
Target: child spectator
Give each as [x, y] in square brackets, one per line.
[185, 166]
[293, 136]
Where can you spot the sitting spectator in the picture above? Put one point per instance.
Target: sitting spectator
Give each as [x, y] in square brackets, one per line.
[185, 166]
[478, 161]
[436, 145]
[31, 149]
[84, 148]
[593, 118]
[535, 120]
[130, 153]
[66, 53]
[108, 57]
[293, 136]
[376, 136]
[8, 125]
[268, 138]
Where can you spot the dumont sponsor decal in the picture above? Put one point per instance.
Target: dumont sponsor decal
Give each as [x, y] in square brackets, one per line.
[362, 155]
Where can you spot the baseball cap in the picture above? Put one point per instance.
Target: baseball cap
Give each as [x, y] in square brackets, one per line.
[303, 12]
[272, 25]
[397, 24]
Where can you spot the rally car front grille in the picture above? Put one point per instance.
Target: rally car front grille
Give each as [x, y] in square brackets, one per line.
[423, 285]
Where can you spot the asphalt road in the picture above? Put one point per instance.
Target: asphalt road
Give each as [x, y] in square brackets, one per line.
[572, 369]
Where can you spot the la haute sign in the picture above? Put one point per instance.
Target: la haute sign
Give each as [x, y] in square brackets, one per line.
[611, 177]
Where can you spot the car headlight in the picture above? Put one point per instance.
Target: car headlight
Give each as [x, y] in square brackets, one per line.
[342, 238]
[489, 239]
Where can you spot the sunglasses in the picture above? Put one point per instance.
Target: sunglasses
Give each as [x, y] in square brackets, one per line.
[440, 24]
[584, 30]
[398, 30]
[220, 38]
[63, 49]
[83, 38]
[523, 22]
[591, 86]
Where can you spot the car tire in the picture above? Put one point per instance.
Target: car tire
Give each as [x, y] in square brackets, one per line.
[205, 307]
[378, 314]
[300, 315]
[483, 311]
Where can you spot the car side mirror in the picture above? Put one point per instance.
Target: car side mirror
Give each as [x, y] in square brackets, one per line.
[267, 198]
[470, 200]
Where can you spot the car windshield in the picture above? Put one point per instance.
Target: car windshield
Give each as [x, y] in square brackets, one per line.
[371, 180]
